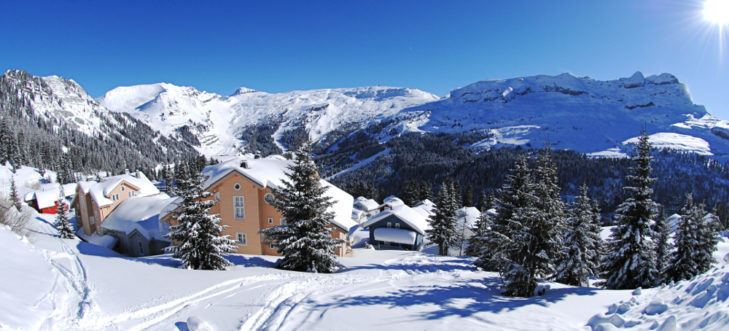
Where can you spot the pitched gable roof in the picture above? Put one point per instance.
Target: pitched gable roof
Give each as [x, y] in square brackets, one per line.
[408, 215]
[100, 190]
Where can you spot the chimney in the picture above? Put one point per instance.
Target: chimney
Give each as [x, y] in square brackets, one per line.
[244, 165]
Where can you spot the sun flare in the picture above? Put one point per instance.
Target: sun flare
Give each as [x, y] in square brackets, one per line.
[717, 11]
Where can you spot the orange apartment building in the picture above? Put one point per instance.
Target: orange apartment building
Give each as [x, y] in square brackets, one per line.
[242, 188]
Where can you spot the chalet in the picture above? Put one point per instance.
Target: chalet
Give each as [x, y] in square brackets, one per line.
[242, 188]
[397, 226]
[45, 199]
[127, 202]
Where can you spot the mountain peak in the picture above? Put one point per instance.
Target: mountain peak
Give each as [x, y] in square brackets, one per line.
[243, 90]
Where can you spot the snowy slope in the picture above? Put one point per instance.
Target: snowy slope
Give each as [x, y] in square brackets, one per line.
[67, 284]
[577, 113]
[218, 121]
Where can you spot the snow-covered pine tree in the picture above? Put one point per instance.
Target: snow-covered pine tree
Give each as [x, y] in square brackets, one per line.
[582, 244]
[663, 248]
[468, 196]
[548, 225]
[63, 224]
[443, 223]
[512, 195]
[425, 191]
[304, 242]
[196, 236]
[708, 238]
[631, 259]
[410, 192]
[480, 231]
[14, 193]
[683, 264]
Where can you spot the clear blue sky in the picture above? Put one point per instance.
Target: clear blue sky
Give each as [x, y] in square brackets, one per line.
[279, 46]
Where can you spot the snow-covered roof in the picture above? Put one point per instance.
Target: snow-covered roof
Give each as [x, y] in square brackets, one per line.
[342, 207]
[45, 199]
[365, 204]
[101, 190]
[97, 239]
[469, 214]
[50, 189]
[139, 213]
[425, 208]
[265, 172]
[400, 236]
[408, 215]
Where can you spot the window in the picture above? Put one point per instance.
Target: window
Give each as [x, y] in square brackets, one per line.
[397, 225]
[268, 198]
[236, 186]
[241, 238]
[389, 224]
[270, 220]
[131, 194]
[283, 221]
[141, 249]
[217, 196]
[123, 191]
[92, 220]
[239, 211]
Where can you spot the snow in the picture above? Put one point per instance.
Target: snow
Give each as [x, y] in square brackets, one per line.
[676, 142]
[139, 213]
[425, 208]
[105, 241]
[400, 236]
[467, 216]
[50, 283]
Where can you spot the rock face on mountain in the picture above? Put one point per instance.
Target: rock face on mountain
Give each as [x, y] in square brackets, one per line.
[576, 113]
[223, 124]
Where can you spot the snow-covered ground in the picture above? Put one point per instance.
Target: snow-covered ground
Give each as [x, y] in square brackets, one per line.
[50, 283]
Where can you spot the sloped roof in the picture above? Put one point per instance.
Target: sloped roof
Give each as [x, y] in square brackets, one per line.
[140, 213]
[367, 204]
[265, 172]
[469, 214]
[46, 199]
[100, 190]
[408, 215]
[425, 208]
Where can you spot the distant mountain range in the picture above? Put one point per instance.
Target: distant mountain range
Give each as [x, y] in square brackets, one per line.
[577, 113]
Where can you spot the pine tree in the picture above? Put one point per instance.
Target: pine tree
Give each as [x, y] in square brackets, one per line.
[304, 242]
[513, 194]
[410, 192]
[662, 234]
[477, 242]
[63, 224]
[426, 193]
[683, 264]
[196, 236]
[468, 196]
[708, 239]
[582, 244]
[443, 223]
[548, 226]
[14, 193]
[631, 260]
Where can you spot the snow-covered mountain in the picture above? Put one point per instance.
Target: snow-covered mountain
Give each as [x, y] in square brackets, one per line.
[576, 113]
[223, 124]
[62, 101]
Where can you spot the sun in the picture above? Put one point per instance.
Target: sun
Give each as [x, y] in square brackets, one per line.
[717, 11]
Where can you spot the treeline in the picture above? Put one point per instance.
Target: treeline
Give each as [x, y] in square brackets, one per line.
[127, 143]
[430, 159]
